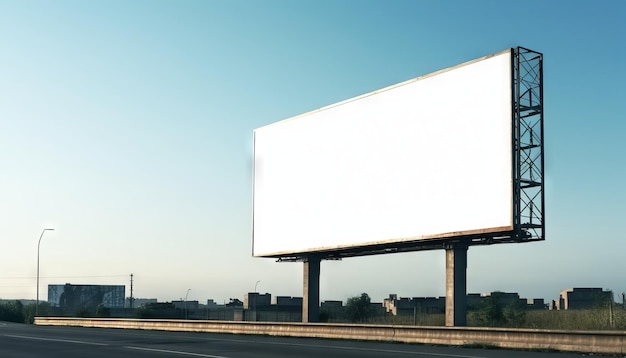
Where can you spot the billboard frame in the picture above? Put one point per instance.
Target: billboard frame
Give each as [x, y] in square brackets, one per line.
[527, 142]
[529, 193]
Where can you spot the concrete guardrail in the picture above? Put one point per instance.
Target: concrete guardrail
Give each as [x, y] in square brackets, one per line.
[612, 342]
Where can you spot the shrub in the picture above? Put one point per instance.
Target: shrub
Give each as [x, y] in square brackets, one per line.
[359, 309]
[12, 312]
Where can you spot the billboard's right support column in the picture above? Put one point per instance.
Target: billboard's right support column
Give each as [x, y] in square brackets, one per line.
[456, 284]
[311, 293]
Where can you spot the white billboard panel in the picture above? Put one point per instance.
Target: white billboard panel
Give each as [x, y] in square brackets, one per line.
[427, 158]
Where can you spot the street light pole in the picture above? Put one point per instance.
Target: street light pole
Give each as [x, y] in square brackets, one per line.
[38, 245]
[255, 285]
[186, 295]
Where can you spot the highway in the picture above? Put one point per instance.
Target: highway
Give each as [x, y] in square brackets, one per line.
[30, 341]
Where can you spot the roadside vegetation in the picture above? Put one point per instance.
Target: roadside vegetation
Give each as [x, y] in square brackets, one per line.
[589, 319]
[359, 309]
[15, 311]
[493, 313]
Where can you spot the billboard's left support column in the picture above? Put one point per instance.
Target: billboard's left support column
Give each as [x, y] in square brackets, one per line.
[311, 294]
[456, 285]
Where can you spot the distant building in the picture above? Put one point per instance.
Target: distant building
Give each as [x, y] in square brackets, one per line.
[536, 304]
[264, 307]
[186, 305]
[581, 298]
[255, 300]
[509, 298]
[474, 301]
[332, 305]
[377, 309]
[284, 301]
[408, 306]
[506, 298]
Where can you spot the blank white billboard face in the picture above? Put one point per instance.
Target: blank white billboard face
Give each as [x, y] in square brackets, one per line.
[427, 158]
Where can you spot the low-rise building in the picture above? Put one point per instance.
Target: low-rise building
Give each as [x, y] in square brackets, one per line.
[506, 298]
[536, 304]
[332, 305]
[409, 306]
[582, 298]
[186, 305]
[255, 300]
[287, 301]
[210, 303]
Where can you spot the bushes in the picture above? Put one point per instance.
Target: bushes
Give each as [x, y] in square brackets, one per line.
[29, 311]
[493, 313]
[359, 309]
[509, 316]
[12, 312]
[15, 311]
[159, 310]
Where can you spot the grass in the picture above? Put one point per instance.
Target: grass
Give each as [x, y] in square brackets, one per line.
[587, 319]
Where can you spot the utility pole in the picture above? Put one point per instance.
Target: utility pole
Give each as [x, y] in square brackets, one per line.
[131, 290]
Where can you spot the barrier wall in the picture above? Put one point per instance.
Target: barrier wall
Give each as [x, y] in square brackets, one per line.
[612, 342]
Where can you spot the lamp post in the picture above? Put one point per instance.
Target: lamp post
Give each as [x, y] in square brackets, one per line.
[186, 295]
[38, 245]
[255, 285]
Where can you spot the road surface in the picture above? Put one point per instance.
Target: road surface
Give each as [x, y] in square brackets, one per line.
[30, 341]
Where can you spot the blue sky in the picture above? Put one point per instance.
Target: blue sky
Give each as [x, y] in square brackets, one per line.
[127, 126]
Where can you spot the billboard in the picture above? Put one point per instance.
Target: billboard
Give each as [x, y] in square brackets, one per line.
[428, 158]
[71, 297]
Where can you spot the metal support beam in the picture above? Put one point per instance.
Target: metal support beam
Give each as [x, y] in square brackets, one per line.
[311, 294]
[528, 145]
[456, 285]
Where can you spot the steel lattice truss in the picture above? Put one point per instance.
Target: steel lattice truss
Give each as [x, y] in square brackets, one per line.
[528, 145]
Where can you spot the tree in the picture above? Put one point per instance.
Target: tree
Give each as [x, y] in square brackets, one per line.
[359, 309]
[494, 313]
[491, 313]
[329, 314]
[12, 312]
[234, 302]
[515, 314]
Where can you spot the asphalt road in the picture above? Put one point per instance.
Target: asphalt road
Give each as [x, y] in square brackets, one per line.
[30, 341]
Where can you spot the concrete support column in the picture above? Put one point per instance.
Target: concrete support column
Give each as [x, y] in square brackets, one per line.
[311, 294]
[456, 285]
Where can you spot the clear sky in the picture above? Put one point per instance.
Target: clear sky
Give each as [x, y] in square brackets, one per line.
[127, 127]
